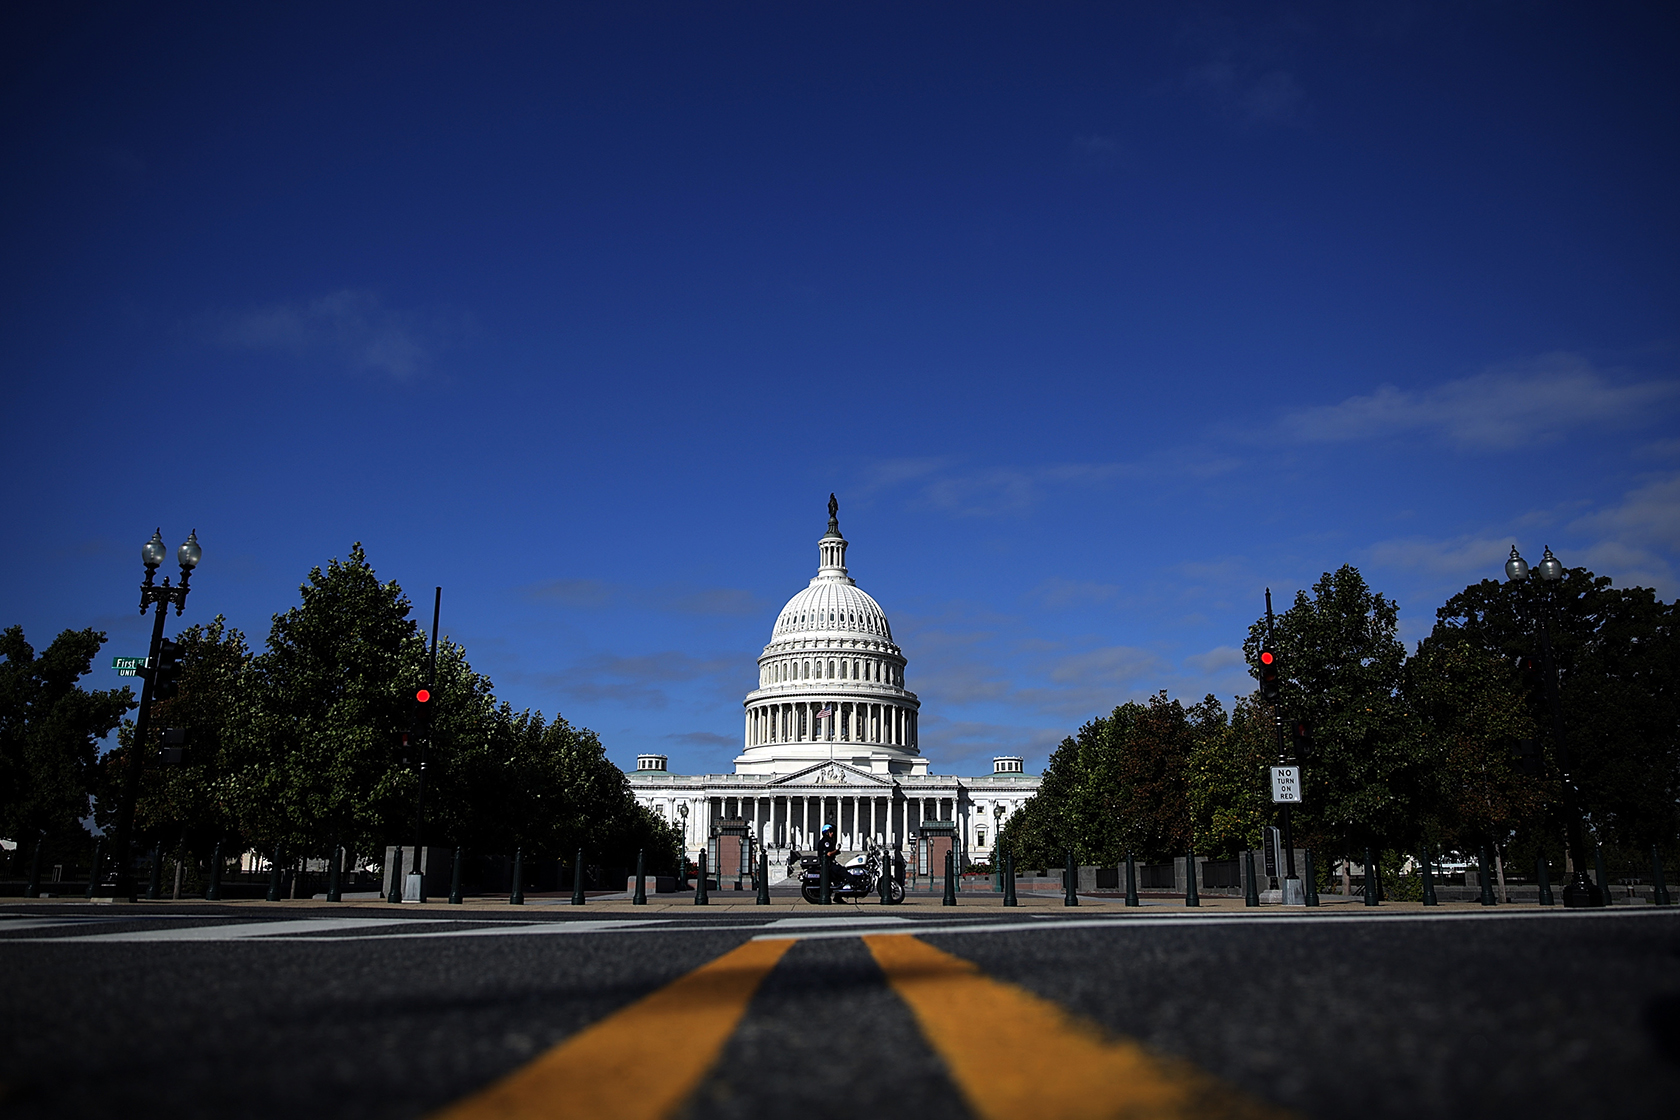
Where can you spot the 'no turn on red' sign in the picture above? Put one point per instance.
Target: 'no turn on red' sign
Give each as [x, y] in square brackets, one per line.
[1286, 785]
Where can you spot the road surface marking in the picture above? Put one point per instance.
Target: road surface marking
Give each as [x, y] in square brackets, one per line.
[640, 1063]
[1013, 1054]
[847, 920]
[235, 931]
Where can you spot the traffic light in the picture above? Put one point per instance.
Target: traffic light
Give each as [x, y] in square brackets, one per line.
[166, 679]
[1269, 676]
[1528, 759]
[1300, 738]
[174, 750]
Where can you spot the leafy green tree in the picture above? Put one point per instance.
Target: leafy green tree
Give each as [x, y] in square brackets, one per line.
[1230, 799]
[1618, 659]
[50, 729]
[1341, 663]
[318, 753]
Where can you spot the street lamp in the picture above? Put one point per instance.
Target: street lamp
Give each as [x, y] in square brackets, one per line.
[1581, 891]
[152, 555]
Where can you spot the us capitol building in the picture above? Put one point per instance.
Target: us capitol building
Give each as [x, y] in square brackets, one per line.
[830, 737]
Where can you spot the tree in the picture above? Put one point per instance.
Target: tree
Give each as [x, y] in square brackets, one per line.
[1616, 651]
[1229, 796]
[1341, 669]
[50, 728]
[317, 757]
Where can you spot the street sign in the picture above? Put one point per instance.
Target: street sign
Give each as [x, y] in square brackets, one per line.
[128, 666]
[1286, 785]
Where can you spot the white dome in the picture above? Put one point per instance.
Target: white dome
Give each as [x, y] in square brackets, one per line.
[832, 608]
[831, 681]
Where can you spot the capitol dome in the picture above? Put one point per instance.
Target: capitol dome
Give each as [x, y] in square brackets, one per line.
[831, 680]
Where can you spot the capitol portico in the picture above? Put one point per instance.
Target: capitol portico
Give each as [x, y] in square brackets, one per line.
[830, 736]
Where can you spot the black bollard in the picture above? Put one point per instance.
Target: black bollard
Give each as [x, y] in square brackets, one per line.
[950, 878]
[1372, 889]
[1009, 898]
[33, 889]
[517, 897]
[1603, 876]
[639, 898]
[1543, 876]
[823, 896]
[155, 887]
[1070, 885]
[1309, 881]
[396, 876]
[1486, 875]
[335, 874]
[886, 878]
[1131, 881]
[700, 898]
[1659, 888]
[577, 880]
[213, 893]
[1251, 889]
[1192, 896]
[93, 872]
[273, 877]
[455, 879]
[1429, 898]
[763, 898]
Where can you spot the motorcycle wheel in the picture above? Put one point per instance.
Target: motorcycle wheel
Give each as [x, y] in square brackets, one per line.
[813, 895]
[895, 892]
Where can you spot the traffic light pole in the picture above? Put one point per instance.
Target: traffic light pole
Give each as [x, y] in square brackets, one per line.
[426, 741]
[1271, 684]
[1581, 891]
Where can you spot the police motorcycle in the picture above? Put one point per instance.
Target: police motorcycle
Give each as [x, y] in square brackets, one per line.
[856, 880]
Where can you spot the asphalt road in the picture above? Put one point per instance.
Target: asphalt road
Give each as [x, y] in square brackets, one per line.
[376, 1011]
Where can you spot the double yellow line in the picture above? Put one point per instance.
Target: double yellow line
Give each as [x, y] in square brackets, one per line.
[1010, 1053]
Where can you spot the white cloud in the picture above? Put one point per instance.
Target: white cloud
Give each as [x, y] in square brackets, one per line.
[1501, 409]
[940, 484]
[1216, 659]
[350, 328]
[1638, 538]
[594, 594]
[1471, 556]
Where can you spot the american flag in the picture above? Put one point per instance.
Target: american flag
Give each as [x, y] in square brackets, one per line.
[827, 712]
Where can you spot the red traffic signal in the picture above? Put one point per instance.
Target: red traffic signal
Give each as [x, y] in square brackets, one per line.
[423, 695]
[1269, 676]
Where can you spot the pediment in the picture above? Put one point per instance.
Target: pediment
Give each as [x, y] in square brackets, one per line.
[832, 774]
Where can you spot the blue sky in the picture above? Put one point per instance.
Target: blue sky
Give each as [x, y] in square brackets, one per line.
[1099, 319]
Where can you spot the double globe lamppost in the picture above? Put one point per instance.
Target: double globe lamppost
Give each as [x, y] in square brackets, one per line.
[158, 677]
[1581, 891]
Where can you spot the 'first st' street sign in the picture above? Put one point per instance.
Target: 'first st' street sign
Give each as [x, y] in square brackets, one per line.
[1286, 785]
[128, 666]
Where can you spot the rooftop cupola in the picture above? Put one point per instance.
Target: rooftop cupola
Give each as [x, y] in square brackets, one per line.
[832, 547]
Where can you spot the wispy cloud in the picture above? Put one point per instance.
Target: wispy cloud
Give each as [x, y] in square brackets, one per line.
[594, 594]
[1060, 594]
[1259, 97]
[639, 680]
[703, 739]
[1638, 538]
[1502, 409]
[1216, 660]
[953, 488]
[348, 328]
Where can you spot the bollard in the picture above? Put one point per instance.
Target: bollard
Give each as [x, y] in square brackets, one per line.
[950, 878]
[577, 880]
[213, 893]
[335, 874]
[93, 872]
[1192, 897]
[1659, 888]
[886, 878]
[273, 894]
[1309, 881]
[640, 897]
[1603, 876]
[1429, 898]
[763, 898]
[1009, 898]
[1372, 889]
[823, 897]
[455, 879]
[517, 896]
[1251, 889]
[1488, 898]
[1543, 876]
[1070, 882]
[396, 892]
[155, 887]
[33, 888]
[1131, 881]
[700, 898]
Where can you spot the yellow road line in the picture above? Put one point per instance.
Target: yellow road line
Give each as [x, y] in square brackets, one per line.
[640, 1063]
[1014, 1055]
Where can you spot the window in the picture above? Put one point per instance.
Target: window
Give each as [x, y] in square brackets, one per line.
[807, 673]
[831, 670]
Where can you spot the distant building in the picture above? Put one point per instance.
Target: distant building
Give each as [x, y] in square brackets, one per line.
[830, 737]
